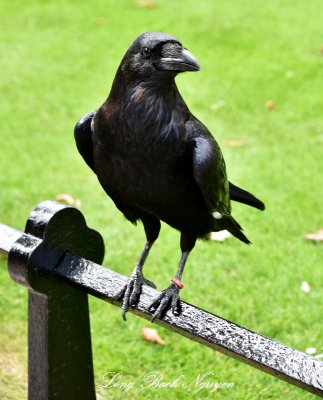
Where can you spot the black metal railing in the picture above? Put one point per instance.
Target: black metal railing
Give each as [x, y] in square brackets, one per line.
[57, 258]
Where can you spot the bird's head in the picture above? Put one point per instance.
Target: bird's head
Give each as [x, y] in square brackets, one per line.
[157, 54]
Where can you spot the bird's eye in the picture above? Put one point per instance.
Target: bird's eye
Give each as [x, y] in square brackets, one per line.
[145, 51]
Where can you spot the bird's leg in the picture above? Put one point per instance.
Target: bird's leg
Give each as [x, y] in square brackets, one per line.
[132, 289]
[169, 298]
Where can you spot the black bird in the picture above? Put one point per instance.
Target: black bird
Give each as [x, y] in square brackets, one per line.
[157, 161]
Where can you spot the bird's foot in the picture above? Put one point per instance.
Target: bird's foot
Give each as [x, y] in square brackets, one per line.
[169, 298]
[132, 290]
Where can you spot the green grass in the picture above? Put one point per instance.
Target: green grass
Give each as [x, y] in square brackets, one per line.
[58, 61]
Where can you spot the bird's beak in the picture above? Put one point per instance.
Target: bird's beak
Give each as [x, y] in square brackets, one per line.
[176, 58]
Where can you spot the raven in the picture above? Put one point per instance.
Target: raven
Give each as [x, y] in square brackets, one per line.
[157, 161]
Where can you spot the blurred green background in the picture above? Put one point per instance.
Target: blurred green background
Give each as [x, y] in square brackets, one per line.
[260, 94]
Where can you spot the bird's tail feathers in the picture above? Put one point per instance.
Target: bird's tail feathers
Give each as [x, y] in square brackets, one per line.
[231, 225]
[242, 196]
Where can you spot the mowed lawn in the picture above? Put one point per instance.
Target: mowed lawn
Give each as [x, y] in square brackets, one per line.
[260, 93]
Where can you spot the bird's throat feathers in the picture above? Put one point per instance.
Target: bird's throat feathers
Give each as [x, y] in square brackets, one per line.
[152, 106]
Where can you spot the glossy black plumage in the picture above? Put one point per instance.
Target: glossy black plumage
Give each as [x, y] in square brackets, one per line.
[157, 161]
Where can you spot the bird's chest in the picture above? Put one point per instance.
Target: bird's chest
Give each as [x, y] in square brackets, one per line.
[139, 154]
[142, 136]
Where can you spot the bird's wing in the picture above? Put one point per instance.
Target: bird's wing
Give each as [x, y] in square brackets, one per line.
[242, 196]
[209, 168]
[83, 138]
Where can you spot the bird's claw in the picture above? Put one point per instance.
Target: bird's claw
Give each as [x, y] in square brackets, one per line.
[169, 298]
[131, 291]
